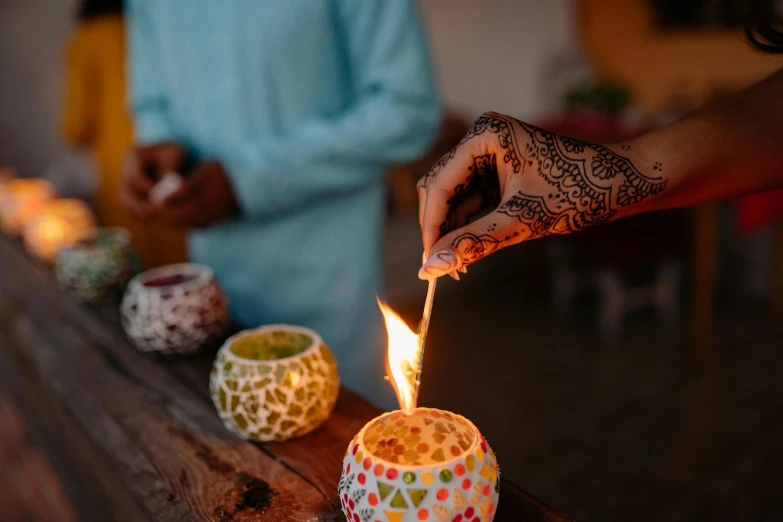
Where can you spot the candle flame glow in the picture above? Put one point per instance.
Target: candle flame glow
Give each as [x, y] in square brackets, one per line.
[403, 357]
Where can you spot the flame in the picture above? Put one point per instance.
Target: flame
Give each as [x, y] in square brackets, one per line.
[403, 356]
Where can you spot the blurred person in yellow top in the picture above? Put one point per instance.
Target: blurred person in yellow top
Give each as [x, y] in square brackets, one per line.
[96, 118]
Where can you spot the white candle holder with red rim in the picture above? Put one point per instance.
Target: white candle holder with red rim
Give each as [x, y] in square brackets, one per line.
[174, 310]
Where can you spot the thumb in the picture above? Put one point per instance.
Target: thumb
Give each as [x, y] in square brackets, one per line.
[169, 158]
[468, 244]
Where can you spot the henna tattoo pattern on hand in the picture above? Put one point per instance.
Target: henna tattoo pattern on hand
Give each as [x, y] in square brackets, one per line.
[588, 184]
[474, 247]
[482, 186]
[506, 138]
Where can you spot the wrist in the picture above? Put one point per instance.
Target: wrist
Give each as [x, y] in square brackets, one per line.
[649, 183]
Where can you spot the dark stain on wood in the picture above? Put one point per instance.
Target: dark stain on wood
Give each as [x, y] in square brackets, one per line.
[257, 494]
[251, 493]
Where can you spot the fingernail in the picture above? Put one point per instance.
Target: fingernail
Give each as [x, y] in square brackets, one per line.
[464, 270]
[440, 263]
[454, 275]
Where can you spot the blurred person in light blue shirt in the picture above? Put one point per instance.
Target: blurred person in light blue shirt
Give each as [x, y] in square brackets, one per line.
[290, 113]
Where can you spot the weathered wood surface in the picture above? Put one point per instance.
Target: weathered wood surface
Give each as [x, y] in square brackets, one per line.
[144, 431]
[29, 488]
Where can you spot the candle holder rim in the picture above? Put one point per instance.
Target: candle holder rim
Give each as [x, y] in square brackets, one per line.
[317, 341]
[119, 233]
[413, 467]
[204, 275]
[14, 183]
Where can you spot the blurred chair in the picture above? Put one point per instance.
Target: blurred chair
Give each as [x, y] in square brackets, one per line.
[633, 264]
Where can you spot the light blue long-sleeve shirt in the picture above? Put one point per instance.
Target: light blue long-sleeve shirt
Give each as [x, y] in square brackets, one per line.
[306, 103]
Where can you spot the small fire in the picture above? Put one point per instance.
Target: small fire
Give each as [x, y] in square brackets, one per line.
[404, 355]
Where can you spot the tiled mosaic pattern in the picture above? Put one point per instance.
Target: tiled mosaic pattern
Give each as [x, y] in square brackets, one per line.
[431, 465]
[177, 319]
[271, 399]
[97, 271]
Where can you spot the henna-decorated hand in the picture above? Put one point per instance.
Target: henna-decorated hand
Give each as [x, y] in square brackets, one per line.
[143, 167]
[206, 197]
[508, 182]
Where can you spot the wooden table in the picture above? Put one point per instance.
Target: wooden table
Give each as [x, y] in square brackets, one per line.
[134, 438]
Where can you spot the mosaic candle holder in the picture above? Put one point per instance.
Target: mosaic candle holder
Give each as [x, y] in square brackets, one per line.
[58, 225]
[174, 310]
[274, 383]
[98, 266]
[23, 200]
[430, 465]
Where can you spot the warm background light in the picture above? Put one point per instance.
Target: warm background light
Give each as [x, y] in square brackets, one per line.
[25, 198]
[59, 224]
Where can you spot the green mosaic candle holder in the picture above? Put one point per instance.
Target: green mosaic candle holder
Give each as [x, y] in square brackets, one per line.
[274, 383]
[98, 266]
[428, 465]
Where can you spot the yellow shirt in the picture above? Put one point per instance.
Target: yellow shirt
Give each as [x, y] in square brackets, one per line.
[96, 118]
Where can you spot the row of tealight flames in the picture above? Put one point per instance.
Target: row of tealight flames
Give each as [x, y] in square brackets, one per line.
[30, 208]
[271, 383]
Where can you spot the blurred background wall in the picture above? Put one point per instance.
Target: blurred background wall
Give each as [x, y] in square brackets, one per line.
[623, 42]
[495, 54]
[32, 37]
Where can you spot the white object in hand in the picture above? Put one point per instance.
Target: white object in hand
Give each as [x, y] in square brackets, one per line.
[167, 186]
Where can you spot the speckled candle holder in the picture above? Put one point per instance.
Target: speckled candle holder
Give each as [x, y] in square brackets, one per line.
[174, 310]
[98, 266]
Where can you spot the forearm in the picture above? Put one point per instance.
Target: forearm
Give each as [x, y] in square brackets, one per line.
[324, 158]
[728, 149]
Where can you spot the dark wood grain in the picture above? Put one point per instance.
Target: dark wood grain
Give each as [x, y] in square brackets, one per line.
[156, 422]
[29, 489]
[173, 452]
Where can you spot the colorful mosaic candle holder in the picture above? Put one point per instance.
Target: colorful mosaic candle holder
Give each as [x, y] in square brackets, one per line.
[58, 225]
[430, 465]
[174, 310]
[274, 383]
[98, 266]
[23, 200]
